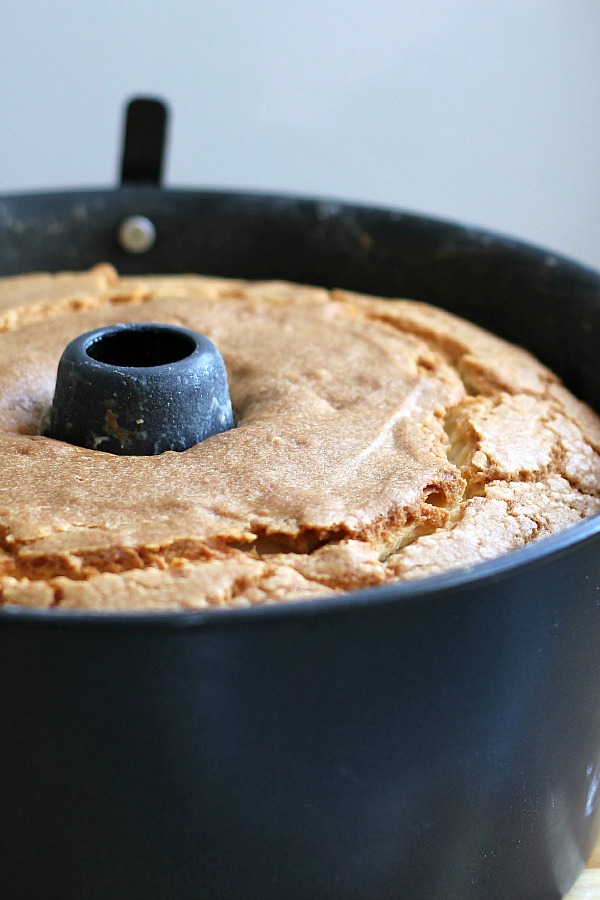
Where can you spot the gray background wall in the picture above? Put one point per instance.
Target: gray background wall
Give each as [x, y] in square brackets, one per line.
[484, 111]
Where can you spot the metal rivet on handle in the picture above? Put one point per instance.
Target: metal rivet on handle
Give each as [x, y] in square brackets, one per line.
[137, 234]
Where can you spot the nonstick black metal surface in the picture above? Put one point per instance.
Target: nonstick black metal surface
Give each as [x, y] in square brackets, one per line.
[433, 740]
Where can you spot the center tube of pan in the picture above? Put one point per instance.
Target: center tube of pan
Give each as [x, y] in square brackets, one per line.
[140, 389]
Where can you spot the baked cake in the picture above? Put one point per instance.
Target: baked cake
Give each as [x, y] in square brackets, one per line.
[376, 441]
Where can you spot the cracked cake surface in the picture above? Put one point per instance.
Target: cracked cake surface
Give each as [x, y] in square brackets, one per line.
[375, 440]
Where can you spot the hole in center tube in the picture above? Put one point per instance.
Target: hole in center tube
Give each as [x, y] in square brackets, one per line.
[141, 348]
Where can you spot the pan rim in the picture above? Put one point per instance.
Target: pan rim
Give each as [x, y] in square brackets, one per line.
[400, 594]
[329, 203]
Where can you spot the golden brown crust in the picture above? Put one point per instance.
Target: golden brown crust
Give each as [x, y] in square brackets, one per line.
[375, 440]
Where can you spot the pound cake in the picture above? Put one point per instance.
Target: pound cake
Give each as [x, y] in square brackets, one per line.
[375, 441]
